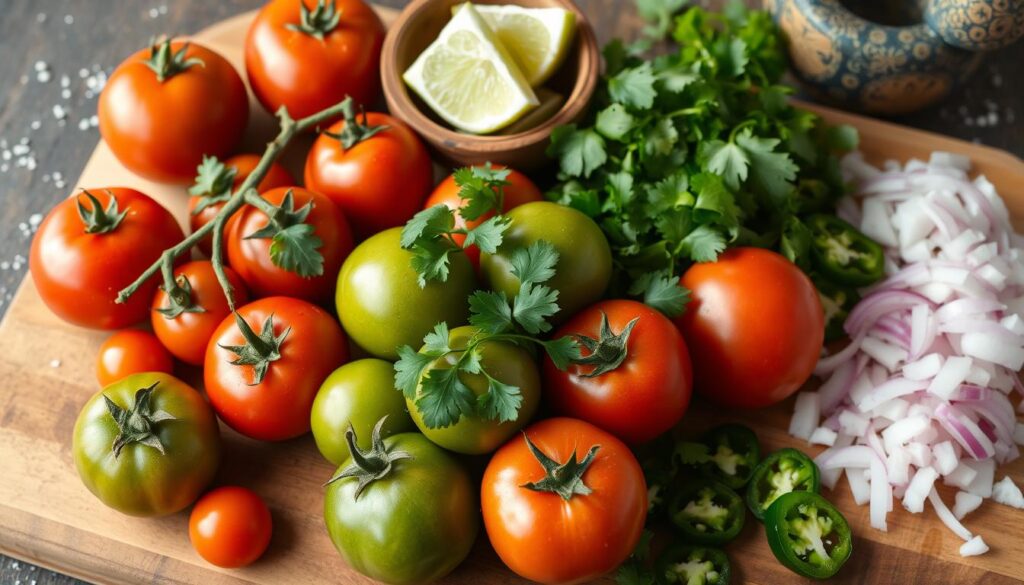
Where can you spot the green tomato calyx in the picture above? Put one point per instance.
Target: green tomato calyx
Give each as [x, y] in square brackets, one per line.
[370, 465]
[608, 351]
[166, 63]
[136, 423]
[259, 350]
[179, 299]
[317, 22]
[564, 479]
[98, 220]
[213, 184]
[354, 131]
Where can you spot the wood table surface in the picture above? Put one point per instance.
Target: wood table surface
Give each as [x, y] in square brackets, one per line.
[43, 41]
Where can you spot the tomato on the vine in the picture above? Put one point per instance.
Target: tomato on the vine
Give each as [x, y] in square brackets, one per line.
[128, 352]
[520, 190]
[634, 379]
[94, 244]
[214, 183]
[308, 55]
[251, 253]
[265, 363]
[565, 502]
[185, 320]
[230, 527]
[374, 167]
[167, 106]
[754, 327]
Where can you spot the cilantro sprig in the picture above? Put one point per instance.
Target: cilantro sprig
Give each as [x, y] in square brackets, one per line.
[432, 376]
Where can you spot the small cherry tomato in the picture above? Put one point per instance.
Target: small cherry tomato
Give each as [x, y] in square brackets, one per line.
[185, 320]
[308, 55]
[215, 183]
[167, 106]
[94, 244]
[230, 527]
[519, 190]
[374, 167]
[131, 352]
[251, 250]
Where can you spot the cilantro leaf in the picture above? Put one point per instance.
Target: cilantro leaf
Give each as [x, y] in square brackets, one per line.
[614, 122]
[533, 305]
[690, 453]
[727, 160]
[633, 573]
[296, 248]
[490, 311]
[409, 368]
[580, 152]
[480, 188]
[661, 138]
[658, 14]
[676, 79]
[562, 351]
[501, 402]
[534, 263]
[773, 171]
[703, 244]
[661, 291]
[634, 87]
[427, 224]
[488, 235]
[444, 398]
[436, 342]
[430, 260]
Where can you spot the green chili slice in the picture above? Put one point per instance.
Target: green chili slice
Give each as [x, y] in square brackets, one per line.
[733, 452]
[808, 535]
[692, 565]
[707, 512]
[843, 254]
[784, 471]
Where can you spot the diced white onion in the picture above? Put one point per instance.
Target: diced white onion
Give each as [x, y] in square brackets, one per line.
[973, 547]
[823, 436]
[1006, 492]
[806, 413]
[966, 503]
[918, 489]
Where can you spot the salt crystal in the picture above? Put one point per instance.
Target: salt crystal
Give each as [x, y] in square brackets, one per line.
[997, 80]
[59, 112]
[35, 125]
[54, 363]
[20, 149]
[83, 124]
[94, 120]
[5, 265]
[41, 66]
[83, 73]
[68, 19]
[153, 13]
[65, 81]
[66, 94]
[4, 168]
[35, 219]
[41, 17]
[43, 77]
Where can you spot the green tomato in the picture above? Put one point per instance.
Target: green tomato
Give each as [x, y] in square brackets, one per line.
[506, 363]
[358, 393]
[585, 260]
[380, 302]
[138, 479]
[413, 525]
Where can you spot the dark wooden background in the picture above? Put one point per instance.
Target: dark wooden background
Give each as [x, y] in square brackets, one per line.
[67, 36]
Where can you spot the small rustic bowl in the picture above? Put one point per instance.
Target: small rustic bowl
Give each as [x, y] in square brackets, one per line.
[419, 24]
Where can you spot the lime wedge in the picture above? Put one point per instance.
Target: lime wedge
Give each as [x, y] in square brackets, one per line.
[538, 38]
[469, 78]
[550, 103]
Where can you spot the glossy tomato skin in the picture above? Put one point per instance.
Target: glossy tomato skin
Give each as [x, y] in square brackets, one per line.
[128, 352]
[754, 327]
[413, 526]
[244, 164]
[585, 260]
[381, 305]
[359, 394]
[547, 539]
[506, 363]
[78, 275]
[251, 257]
[162, 130]
[290, 68]
[520, 190]
[230, 527]
[141, 481]
[278, 407]
[187, 334]
[646, 395]
[379, 182]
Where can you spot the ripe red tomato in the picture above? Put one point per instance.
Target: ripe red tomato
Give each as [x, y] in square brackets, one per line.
[305, 345]
[241, 165]
[641, 398]
[754, 327]
[185, 327]
[520, 190]
[546, 538]
[230, 527]
[161, 128]
[130, 352]
[251, 258]
[379, 182]
[79, 266]
[308, 60]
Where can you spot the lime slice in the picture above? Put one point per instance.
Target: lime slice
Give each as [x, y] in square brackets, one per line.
[538, 38]
[469, 78]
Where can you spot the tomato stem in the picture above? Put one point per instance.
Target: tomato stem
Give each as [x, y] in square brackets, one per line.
[370, 465]
[564, 479]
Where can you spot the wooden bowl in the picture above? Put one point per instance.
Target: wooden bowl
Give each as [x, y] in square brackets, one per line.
[419, 24]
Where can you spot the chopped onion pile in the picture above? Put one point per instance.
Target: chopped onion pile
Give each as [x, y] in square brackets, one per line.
[922, 392]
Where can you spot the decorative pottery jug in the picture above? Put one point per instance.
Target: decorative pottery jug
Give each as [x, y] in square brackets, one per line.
[873, 65]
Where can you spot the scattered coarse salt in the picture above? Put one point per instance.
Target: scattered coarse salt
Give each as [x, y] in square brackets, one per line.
[43, 76]
[83, 124]
[35, 125]
[68, 19]
[41, 66]
[41, 17]
[59, 112]
[55, 363]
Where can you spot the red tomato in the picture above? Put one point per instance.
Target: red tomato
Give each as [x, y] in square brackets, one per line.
[230, 527]
[754, 327]
[251, 257]
[130, 352]
[186, 328]
[308, 64]
[520, 190]
[379, 182]
[78, 274]
[162, 129]
[306, 345]
[642, 397]
[243, 166]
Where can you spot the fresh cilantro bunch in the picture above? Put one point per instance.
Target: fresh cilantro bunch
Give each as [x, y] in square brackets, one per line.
[692, 152]
[432, 377]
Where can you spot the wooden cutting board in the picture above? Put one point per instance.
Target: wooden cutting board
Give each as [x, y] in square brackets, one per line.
[47, 517]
